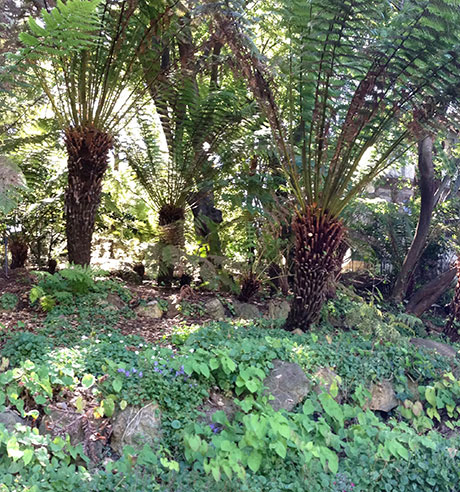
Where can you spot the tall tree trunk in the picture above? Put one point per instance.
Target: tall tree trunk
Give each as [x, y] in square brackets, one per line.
[171, 226]
[428, 202]
[425, 297]
[88, 151]
[318, 257]
[450, 329]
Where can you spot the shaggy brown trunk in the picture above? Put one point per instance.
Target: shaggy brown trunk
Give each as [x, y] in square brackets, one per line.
[171, 225]
[88, 150]
[450, 329]
[318, 257]
[250, 285]
[19, 252]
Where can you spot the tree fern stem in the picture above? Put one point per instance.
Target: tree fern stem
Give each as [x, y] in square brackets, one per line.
[318, 257]
[88, 150]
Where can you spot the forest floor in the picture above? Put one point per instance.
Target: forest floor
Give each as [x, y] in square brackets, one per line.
[373, 395]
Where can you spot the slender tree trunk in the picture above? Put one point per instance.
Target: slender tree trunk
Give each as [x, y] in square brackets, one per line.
[318, 257]
[450, 329]
[171, 226]
[428, 202]
[425, 297]
[88, 150]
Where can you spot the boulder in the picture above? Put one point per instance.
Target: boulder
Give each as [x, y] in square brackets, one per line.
[325, 377]
[151, 310]
[288, 384]
[383, 397]
[9, 419]
[278, 309]
[215, 402]
[136, 427]
[215, 309]
[172, 311]
[114, 301]
[81, 430]
[438, 347]
[244, 310]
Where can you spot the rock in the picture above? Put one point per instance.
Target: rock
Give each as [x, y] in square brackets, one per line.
[288, 384]
[383, 397]
[297, 331]
[172, 311]
[278, 309]
[136, 427]
[244, 310]
[9, 419]
[438, 347]
[215, 402]
[325, 377]
[215, 309]
[114, 301]
[150, 310]
[81, 430]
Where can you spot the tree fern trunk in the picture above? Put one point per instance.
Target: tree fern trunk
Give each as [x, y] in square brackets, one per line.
[171, 226]
[318, 257]
[88, 150]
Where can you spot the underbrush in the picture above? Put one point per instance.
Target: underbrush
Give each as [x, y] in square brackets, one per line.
[331, 441]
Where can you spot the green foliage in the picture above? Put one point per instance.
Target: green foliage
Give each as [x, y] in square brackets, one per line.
[8, 301]
[65, 286]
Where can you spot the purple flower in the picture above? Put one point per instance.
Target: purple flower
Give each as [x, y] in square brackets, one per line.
[215, 428]
[140, 374]
[127, 373]
[134, 370]
[121, 370]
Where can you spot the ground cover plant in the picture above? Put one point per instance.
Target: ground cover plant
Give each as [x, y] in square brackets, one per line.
[229, 245]
[331, 440]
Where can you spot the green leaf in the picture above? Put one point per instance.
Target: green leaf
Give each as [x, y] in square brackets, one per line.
[430, 395]
[109, 407]
[175, 424]
[194, 442]
[12, 448]
[117, 384]
[88, 381]
[280, 449]
[123, 404]
[28, 455]
[254, 461]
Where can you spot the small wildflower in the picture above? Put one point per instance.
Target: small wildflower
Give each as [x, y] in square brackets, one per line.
[121, 370]
[141, 374]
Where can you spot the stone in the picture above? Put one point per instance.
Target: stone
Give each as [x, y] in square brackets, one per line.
[114, 301]
[288, 384]
[278, 309]
[438, 347]
[244, 310]
[325, 377]
[9, 419]
[136, 427]
[150, 310]
[383, 397]
[172, 311]
[81, 430]
[215, 309]
[216, 402]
